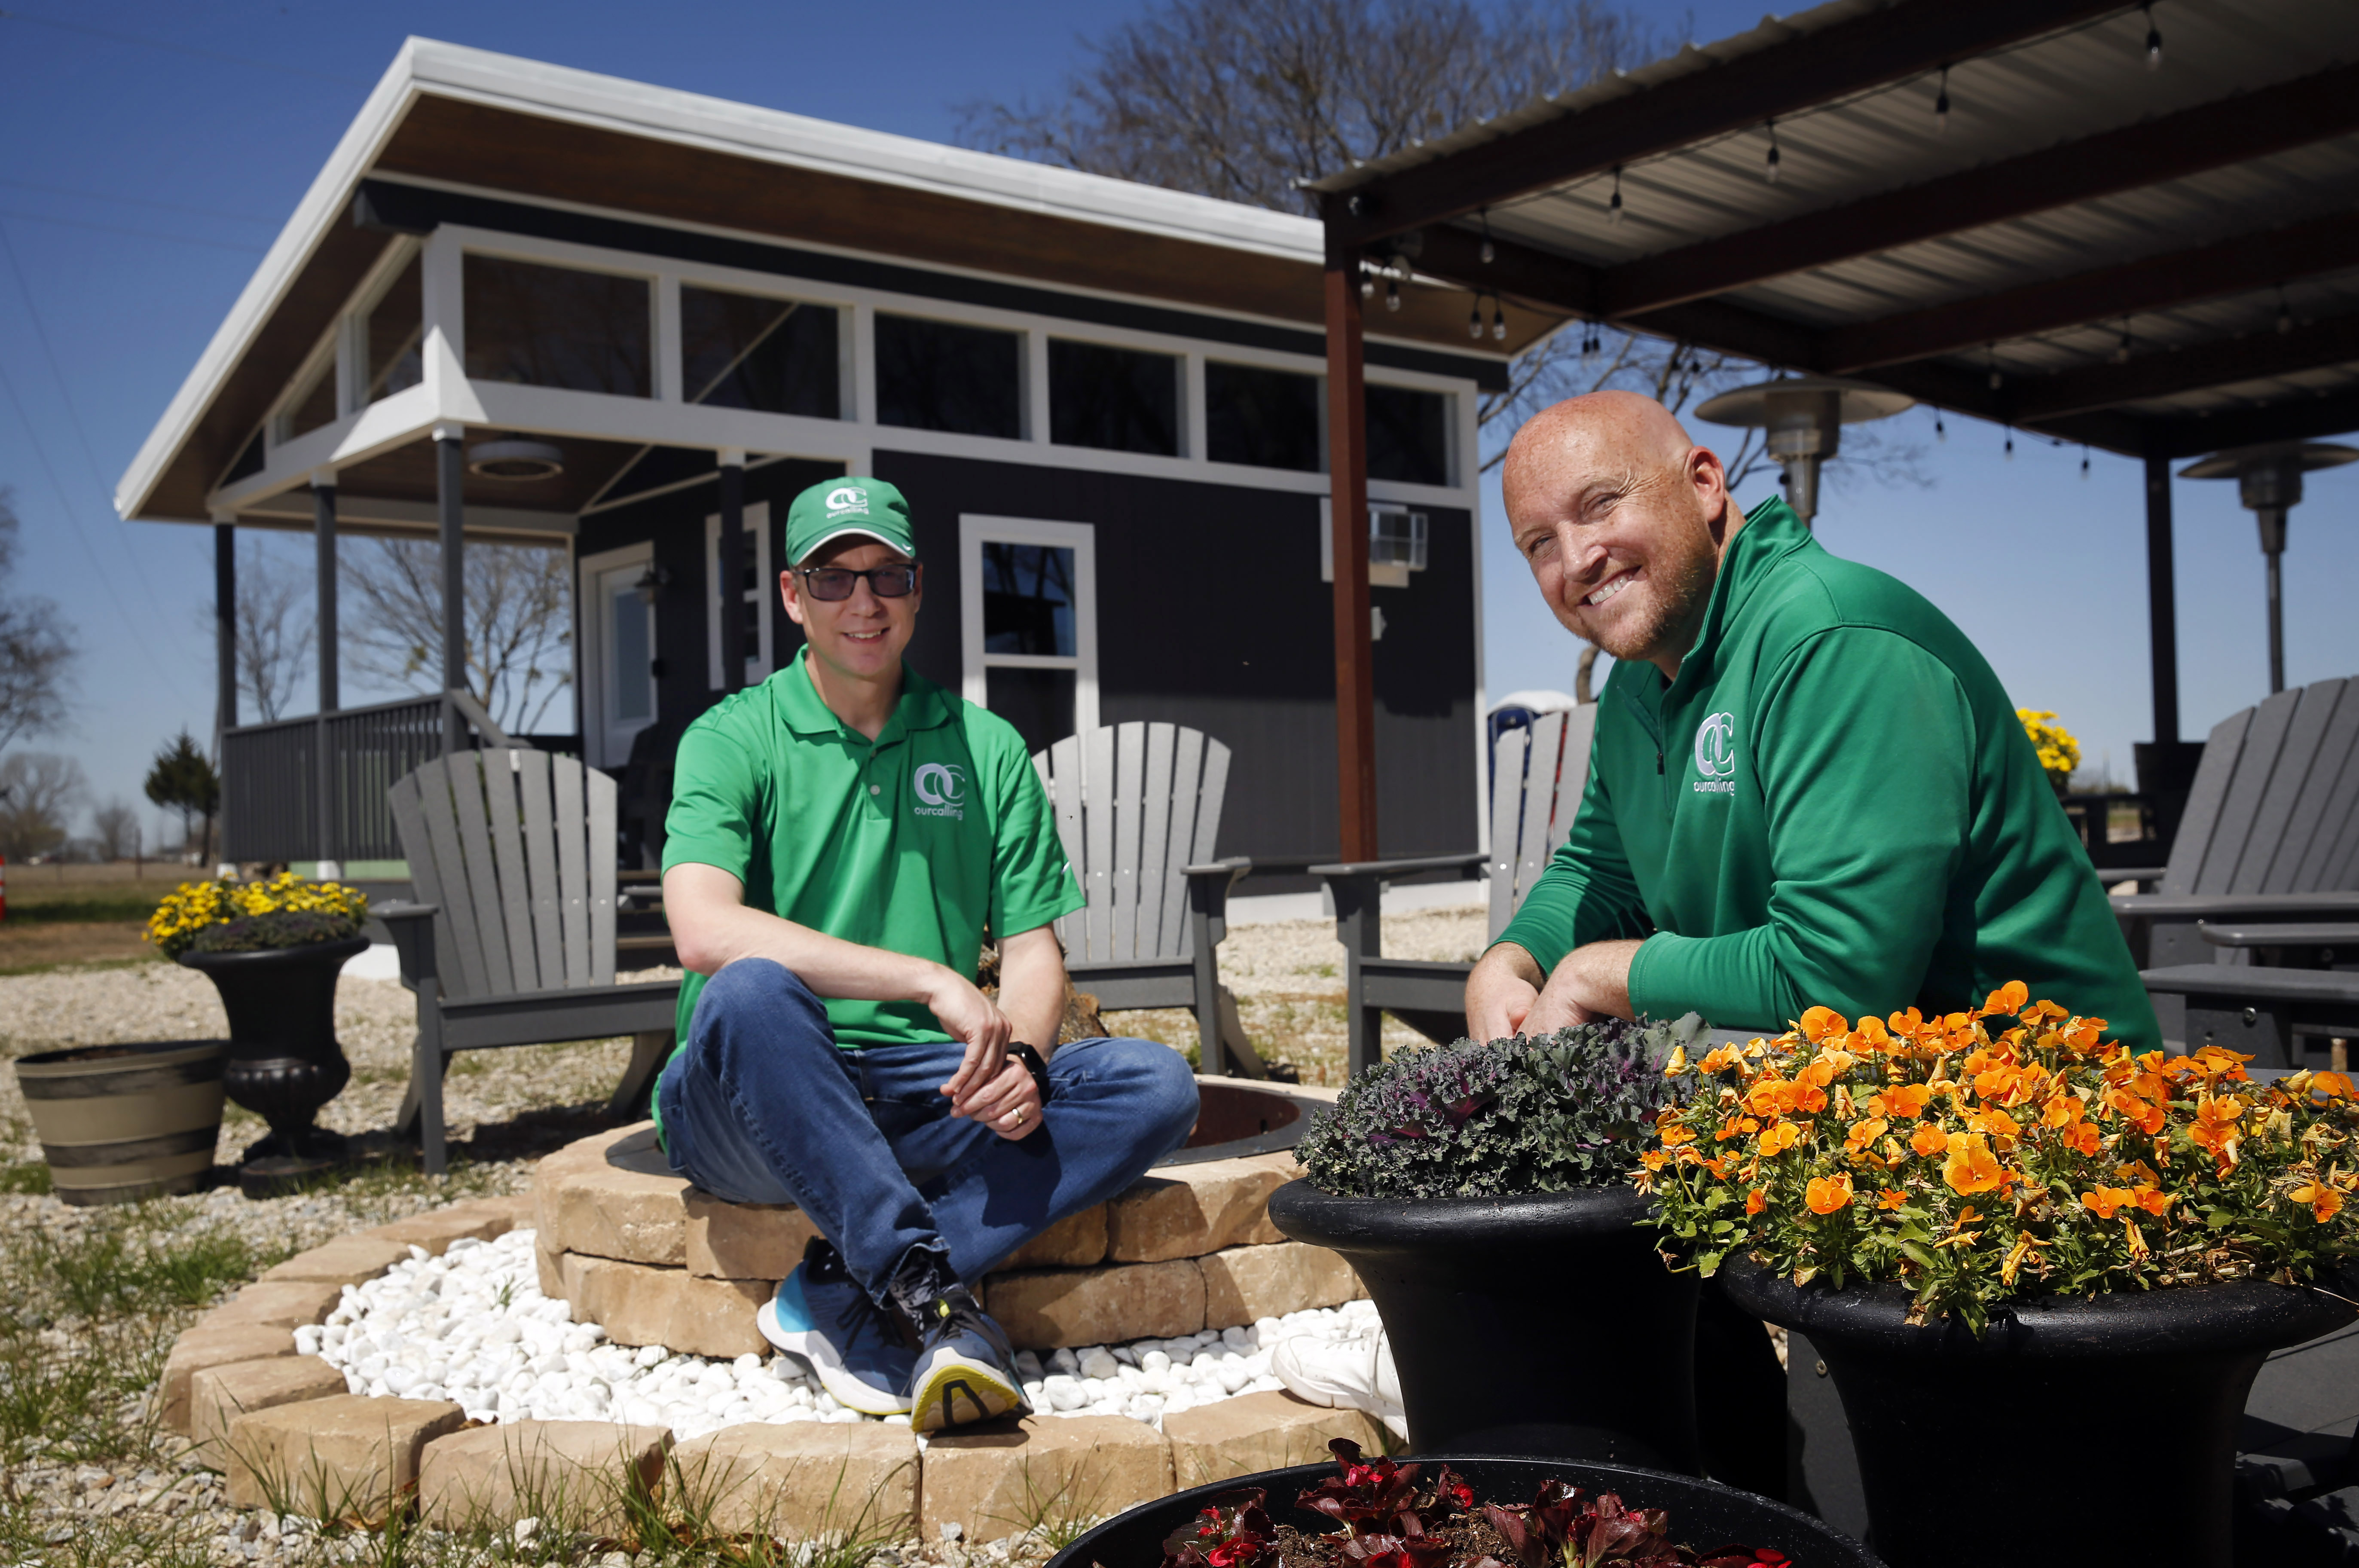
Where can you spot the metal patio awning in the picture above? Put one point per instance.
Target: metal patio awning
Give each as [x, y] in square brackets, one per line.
[2019, 210]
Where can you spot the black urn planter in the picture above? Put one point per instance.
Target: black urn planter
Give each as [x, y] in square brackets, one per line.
[2076, 1430]
[284, 1061]
[1539, 1324]
[1704, 1514]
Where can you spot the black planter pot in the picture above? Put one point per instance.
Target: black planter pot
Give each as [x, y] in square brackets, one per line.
[1704, 1514]
[284, 1061]
[1542, 1324]
[2076, 1430]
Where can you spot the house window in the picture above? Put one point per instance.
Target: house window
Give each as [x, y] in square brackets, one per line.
[1408, 435]
[1397, 544]
[1029, 623]
[1266, 417]
[756, 590]
[774, 357]
[392, 337]
[1116, 399]
[552, 326]
[935, 376]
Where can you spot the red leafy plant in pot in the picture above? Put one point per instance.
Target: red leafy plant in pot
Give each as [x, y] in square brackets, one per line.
[1388, 1521]
[1558, 1528]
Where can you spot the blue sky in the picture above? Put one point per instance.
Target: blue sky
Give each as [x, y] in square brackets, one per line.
[148, 152]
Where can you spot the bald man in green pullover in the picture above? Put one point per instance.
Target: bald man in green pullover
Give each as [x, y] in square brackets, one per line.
[1807, 787]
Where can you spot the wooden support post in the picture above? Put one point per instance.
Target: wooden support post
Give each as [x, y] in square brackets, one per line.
[2161, 598]
[450, 494]
[225, 626]
[1347, 471]
[732, 571]
[324, 797]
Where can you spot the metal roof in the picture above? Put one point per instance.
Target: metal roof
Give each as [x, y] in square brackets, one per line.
[2115, 243]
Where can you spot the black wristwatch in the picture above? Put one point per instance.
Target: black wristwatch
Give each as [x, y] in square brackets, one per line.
[1031, 1060]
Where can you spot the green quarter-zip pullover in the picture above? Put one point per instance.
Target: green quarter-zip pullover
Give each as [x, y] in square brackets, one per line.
[1834, 804]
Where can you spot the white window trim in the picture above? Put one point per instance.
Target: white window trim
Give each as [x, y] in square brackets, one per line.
[449, 397]
[612, 740]
[1078, 537]
[761, 598]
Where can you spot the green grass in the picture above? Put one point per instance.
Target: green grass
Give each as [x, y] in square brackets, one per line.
[55, 911]
[25, 1176]
[54, 965]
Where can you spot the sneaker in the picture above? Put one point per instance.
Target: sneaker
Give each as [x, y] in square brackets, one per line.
[822, 1315]
[965, 1366]
[1351, 1373]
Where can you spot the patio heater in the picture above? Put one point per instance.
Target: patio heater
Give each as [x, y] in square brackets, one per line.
[2269, 480]
[1805, 415]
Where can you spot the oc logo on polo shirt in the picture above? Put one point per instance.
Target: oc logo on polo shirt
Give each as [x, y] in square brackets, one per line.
[1715, 755]
[940, 789]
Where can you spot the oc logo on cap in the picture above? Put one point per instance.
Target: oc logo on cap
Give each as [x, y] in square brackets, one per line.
[851, 499]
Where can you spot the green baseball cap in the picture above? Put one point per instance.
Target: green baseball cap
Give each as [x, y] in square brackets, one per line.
[834, 507]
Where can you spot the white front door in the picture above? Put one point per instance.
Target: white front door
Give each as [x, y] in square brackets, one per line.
[620, 658]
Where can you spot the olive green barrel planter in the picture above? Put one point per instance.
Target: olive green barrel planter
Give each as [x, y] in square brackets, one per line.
[119, 1122]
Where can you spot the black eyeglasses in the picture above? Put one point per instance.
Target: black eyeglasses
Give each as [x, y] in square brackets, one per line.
[833, 583]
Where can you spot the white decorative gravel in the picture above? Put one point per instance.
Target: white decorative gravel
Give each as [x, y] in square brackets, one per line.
[471, 1326]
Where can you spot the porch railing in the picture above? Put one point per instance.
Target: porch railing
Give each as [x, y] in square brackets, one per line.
[313, 788]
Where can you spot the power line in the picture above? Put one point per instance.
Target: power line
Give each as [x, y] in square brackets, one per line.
[181, 49]
[135, 234]
[73, 415]
[137, 202]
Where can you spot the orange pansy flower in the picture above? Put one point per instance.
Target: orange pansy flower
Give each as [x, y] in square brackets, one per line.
[1828, 1194]
[1900, 1100]
[1970, 1166]
[1862, 1133]
[2153, 1200]
[1778, 1138]
[2333, 1085]
[1929, 1141]
[1653, 1159]
[1755, 1202]
[2063, 1110]
[2325, 1202]
[2106, 1200]
[1891, 1198]
[2008, 998]
[1996, 1123]
[1821, 1022]
[2215, 1128]
[2083, 1137]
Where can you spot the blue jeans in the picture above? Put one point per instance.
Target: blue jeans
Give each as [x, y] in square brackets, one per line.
[762, 1106]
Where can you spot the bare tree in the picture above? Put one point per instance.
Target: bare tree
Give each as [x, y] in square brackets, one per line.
[38, 791]
[37, 650]
[519, 622]
[1245, 99]
[114, 827]
[274, 635]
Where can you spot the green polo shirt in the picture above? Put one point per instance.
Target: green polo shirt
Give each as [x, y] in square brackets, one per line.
[916, 842]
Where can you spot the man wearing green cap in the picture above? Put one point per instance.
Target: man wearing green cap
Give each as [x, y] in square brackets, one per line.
[840, 840]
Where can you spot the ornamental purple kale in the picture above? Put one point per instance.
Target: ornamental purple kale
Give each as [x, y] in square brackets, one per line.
[1572, 1109]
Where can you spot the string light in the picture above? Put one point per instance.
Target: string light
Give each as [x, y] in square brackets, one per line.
[1940, 431]
[1489, 252]
[1942, 105]
[1989, 355]
[1475, 319]
[1614, 207]
[1499, 319]
[2153, 40]
[2084, 460]
[1367, 282]
[2010, 443]
[1392, 294]
[1772, 169]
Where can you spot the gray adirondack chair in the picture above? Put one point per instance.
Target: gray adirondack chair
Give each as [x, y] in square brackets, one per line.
[512, 942]
[1137, 808]
[1537, 777]
[2270, 837]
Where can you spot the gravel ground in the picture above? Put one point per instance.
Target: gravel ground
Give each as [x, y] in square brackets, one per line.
[88, 1480]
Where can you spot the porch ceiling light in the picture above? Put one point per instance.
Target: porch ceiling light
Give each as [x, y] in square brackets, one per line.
[2269, 480]
[1805, 415]
[514, 460]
